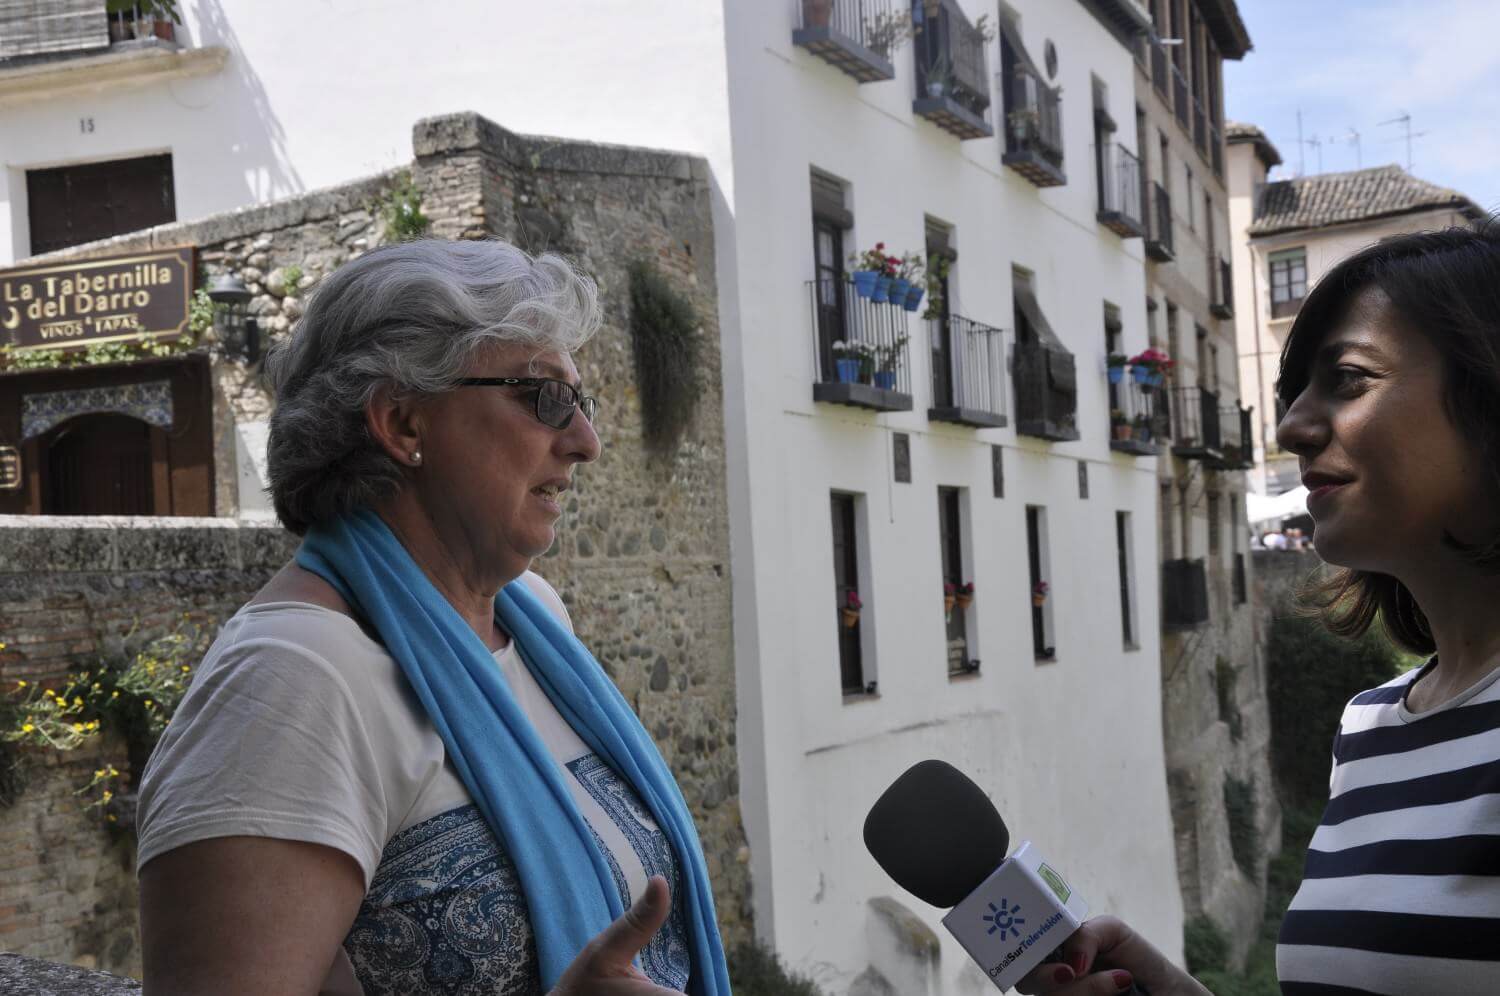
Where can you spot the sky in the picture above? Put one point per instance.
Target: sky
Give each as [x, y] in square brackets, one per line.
[1348, 65]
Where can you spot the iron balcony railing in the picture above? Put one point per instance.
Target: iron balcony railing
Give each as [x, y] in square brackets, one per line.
[1159, 241]
[1236, 444]
[1184, 593]
[1180, 96]
[1120, 192]
[1138, 416]
[1221, 279]
[968, 385]
[952, 79]
[856, 36]
[1195, 423]
[859, 348]
[1200, 127]
[1033, 119]
[1216, 149]
[1046, 392]
[1159, 66]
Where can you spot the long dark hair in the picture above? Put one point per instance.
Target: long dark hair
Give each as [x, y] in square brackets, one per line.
[1444, 285]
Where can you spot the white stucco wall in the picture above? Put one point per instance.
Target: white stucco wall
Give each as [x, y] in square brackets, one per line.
[1071, 750]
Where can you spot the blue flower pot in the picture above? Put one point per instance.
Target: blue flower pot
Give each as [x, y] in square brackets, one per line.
[914, 298]
[864, 282]
[1141, 374]
[899, 289]
[1116, 374]
[1156, 378]
[882, 290]
[885, 380]
[848, 371]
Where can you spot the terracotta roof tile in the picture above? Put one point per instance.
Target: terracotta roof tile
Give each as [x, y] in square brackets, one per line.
[1358, 195]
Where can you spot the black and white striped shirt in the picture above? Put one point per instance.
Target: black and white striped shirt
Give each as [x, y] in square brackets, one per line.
[1401, 892]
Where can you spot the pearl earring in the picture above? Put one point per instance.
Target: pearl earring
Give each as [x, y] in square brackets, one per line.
[416, 456]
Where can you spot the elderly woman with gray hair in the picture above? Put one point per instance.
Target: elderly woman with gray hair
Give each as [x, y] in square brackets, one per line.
[397, 769]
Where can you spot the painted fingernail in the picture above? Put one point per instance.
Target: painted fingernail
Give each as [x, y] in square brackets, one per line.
[1063, 974]
[1122, 980]
[1079, 963]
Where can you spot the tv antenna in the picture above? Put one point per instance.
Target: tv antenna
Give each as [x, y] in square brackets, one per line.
[1351, 137]
[1404, 120]
[1316, 143]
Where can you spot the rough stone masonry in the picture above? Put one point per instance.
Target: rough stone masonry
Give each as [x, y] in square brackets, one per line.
[642, 559]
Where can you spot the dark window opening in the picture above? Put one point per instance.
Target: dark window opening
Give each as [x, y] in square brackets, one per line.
[70, 205]
[1122, 555]
[1288, 282]
[1040, 589]
[845, 585]
[950, 538]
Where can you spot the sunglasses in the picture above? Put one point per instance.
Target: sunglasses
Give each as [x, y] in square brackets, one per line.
[556, 400]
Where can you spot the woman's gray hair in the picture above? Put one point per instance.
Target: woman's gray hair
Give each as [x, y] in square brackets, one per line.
[410, 316]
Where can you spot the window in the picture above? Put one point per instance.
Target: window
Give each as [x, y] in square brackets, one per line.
[69, 205]
[848, 603]
[1041, 593]
[1125, 557]
[1187, 196]
[1043, 368]
[1166, 163]
[1104, 138]
[1152, 336]
[1168, 535]
[1288, 281]
[1113, 332]
[1174, 338]
[951, 540]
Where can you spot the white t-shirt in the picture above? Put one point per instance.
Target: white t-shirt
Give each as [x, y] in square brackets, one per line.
[298, 725]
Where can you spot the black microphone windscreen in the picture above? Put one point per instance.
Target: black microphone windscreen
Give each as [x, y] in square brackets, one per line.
[936, 833]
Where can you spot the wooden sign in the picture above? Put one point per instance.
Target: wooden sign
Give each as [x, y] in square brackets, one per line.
[10, 468]
[140, 296]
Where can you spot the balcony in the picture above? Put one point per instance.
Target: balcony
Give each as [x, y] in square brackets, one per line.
[1046, 392]
[859, 349]
[1216, 149]
[1033, 129]
[1138, 417]
[1120, 194]
[1159, 238]
[1159, 67]
[953, 82]
[967, 385]
[1184, 593]
[1200, 128]
[47, 50]
[1237, 445]
[1221, 280]
[854, 36]
[1180, 96]
[1195, 424]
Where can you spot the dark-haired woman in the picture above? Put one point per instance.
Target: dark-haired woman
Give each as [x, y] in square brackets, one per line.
[1391, 378]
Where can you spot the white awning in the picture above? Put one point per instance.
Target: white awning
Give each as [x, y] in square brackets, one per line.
[1274, 508]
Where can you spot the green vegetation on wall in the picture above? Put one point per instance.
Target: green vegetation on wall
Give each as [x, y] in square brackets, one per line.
[754, 970]
[400, 207]
[665, 341]
[1244, 834]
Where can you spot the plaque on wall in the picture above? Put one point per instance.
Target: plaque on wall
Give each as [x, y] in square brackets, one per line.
[901, 447]
[10, 468]
[140, 296]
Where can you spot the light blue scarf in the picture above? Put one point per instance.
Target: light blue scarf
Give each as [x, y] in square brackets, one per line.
[514, 779]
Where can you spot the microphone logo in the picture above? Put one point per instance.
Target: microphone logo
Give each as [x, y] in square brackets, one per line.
[1003, 920]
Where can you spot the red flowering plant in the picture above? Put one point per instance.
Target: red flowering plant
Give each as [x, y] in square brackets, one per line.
[949, 589]
[851, 601]
[876, 259]
[1039, 592]
[966, 589]
[1153, 360]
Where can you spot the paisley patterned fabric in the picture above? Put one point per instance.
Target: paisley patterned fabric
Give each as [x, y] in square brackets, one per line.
[445, 912]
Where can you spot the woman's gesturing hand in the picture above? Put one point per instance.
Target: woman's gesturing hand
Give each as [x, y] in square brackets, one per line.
[604, 967]
[1105, 957]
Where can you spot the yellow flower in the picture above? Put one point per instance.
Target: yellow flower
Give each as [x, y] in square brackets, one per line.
[27, 728]
[111, 817]
[108, 795]
[77, 727]
[77, 702]
[96, 686]
[19, 684]
[49, 693]
[112, 771]
[2, 646]
[148, 703]
[99, 773]
[185, 670]
[114, 695]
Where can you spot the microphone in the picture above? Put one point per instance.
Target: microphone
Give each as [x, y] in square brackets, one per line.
[936, 833]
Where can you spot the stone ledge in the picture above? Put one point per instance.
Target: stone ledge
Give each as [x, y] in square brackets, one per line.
[88, 543]
[31, 977]
[449, 134]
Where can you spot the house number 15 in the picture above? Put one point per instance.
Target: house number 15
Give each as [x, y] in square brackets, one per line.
[86, 125]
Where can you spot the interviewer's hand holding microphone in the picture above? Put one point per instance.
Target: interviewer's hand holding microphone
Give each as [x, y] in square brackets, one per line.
[939, 837]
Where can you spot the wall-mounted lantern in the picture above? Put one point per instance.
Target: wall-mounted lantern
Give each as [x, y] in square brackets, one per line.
[237, 331]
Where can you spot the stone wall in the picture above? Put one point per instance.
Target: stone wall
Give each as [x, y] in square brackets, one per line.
[70, 590]
[642, 558]
[1217, 727]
